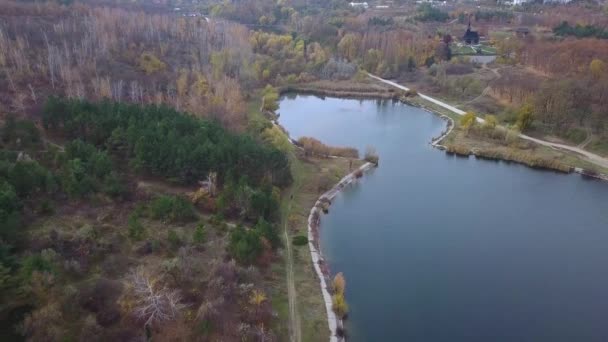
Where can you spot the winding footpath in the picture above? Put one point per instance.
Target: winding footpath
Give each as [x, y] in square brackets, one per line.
[590, 157]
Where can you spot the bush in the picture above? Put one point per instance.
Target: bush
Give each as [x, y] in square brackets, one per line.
[245, 245]
[371, 155]
[339, 305]
[426, 12]
[410, 93]
[315, 147]
[468, 120]
[136, 230]
[300, 240]
[490, 122]
[174, 240]
[200, 235]
[150, 63]
[171, 208]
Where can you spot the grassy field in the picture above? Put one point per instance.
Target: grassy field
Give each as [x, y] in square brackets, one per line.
[458, 49]
[459, 138]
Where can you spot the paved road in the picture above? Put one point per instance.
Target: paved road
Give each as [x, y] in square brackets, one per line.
[591, 157]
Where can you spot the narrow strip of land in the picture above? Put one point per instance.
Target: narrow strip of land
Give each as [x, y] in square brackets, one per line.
[295, 332]
[591, 157]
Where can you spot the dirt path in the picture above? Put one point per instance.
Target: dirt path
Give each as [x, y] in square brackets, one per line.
[486, 90]
[295, 330]
[590, 157]
[587, 140]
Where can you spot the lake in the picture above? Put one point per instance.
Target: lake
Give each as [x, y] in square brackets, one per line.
[440, 248]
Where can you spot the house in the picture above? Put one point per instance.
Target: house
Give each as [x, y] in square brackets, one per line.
[522, 32]
[359, 4]
[471, 37]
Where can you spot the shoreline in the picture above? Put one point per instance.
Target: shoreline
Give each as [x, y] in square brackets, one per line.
[314, 244]
[436, 141]
[320, 265]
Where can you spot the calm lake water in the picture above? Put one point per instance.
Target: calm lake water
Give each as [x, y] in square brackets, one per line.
[441, 248]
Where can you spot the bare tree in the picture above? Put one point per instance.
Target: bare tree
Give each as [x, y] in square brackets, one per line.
[153, 303]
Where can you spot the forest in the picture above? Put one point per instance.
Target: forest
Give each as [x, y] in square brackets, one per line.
[140, 158]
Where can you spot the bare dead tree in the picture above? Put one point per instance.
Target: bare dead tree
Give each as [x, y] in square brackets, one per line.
[154, 303]
[32, 91]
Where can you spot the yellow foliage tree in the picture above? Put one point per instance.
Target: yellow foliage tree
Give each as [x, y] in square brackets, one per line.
[277, 138]
[339, 283]
[490, 122]
[339, 305]
[257, 297]
[525, 116]
[597, 68]
[182, 82]
[200, 87]
[349, 46]
[468, 120]
[270, 96]
[150, 63]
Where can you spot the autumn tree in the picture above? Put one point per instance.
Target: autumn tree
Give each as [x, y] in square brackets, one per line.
[490, 122]
[597, 68]
[525, 116]
[468, 120]
[339, 283]
[270, 98]
[339, 304]
[348, 46]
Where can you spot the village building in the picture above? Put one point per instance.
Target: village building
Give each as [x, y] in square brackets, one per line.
[522, 32]
[359, 4]
[471, 37]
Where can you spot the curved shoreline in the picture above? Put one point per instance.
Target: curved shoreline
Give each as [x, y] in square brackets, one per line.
[314, 219]
[318, 260]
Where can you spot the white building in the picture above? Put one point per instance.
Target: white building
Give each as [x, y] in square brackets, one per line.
[359, 4]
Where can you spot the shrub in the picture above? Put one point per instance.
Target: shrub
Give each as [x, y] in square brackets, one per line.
[270, 97]
[199, 235]
[245, 245]
[339, 283]
[315, 147]
[136, 230]
[42, 262]
[173, 239]
[468, 120]
[410, 93]
[150, 63]
[458, 149]
[171, 208]
[339, 305]
[114, 186]
[490, 122]
[300, 240]
[371, 155]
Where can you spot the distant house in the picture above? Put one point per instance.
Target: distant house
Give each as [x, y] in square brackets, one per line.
[522, 32]
[470, 37]
[359, 4]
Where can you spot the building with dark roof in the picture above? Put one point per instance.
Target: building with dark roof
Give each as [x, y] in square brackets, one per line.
[471, 37]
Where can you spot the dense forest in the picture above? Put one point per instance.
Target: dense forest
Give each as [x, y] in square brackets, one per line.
[106, 147]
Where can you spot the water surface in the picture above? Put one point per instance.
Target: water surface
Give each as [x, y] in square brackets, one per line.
[441, 248]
